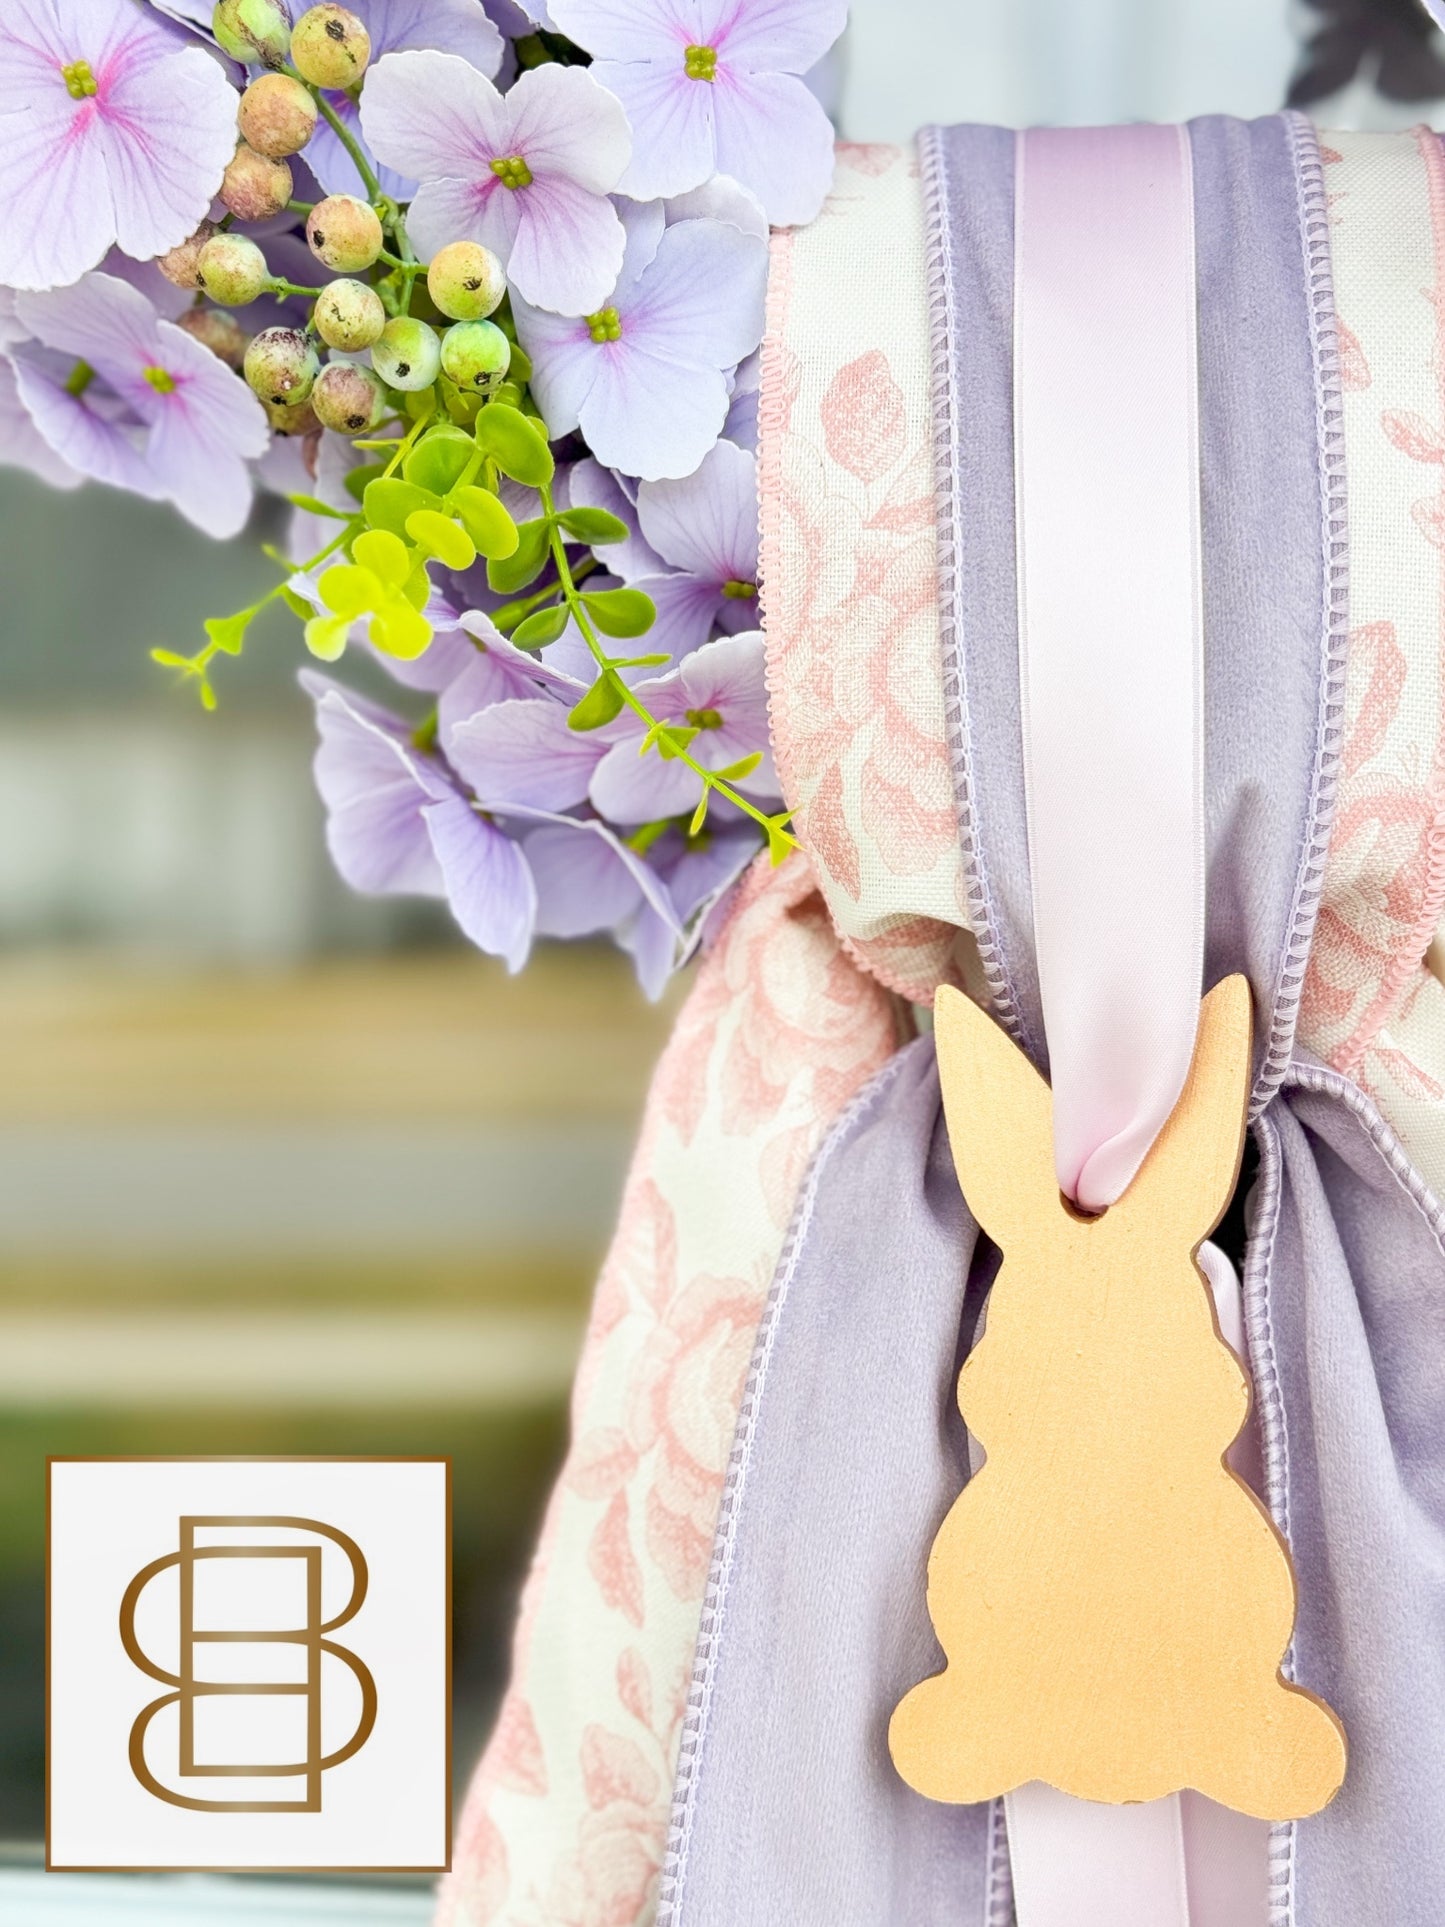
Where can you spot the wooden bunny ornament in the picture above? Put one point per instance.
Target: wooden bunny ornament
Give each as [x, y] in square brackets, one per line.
[1113, 1602]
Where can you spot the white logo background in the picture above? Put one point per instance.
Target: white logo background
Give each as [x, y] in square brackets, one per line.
[386, 1807]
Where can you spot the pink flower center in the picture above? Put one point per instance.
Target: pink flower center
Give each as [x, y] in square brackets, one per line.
[512, 171]
[80, 82]
[705, 718]
[700, 63]
[605, 325]
[161, 380]
[737, 591]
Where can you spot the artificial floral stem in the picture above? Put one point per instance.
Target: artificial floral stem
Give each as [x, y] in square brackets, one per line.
[344, 134]
[281, 288]
[770, 826]
[519, 610]
[198, 664]
[403, 446]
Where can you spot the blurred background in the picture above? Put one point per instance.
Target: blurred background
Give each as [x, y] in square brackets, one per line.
[282, 1170]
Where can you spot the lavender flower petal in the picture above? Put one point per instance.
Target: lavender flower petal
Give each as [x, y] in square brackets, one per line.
[775, 138]
[89, 437]
[772, 36]
[680, 149]
[21, 443]
[136, 161]
[489, 887]
[433, 117]
[584, 885]
[524, 752]
[706, 523]
[373, 795]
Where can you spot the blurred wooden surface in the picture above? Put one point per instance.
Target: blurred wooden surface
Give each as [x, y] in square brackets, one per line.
[395, 1039]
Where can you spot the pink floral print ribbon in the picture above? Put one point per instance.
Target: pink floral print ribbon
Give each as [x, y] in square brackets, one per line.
[1111, 637]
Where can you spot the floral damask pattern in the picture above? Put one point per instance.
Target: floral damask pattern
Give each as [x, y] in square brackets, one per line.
[566, 1822]
[850, 572]
[567, 1818]
[1367, 988]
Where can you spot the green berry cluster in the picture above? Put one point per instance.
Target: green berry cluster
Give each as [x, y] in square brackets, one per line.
[367, 309]
[436, 403]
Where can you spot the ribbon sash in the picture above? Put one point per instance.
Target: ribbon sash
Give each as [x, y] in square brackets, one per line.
[1106, 424]
[1110, 593]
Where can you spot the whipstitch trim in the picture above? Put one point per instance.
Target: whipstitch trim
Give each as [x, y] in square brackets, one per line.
[693, 1738]
[1334, 537]
[1259, 1328]
[944, 398]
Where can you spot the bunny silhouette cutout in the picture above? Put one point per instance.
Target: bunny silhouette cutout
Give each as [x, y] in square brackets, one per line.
[1114, 1603]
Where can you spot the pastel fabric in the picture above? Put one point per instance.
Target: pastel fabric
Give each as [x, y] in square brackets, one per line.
[797, 1009]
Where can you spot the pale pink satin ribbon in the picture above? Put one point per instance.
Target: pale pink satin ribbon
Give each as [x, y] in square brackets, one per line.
[1111, 675]
[1106, 422]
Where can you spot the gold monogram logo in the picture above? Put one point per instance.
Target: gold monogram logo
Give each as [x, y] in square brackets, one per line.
[254, 1687]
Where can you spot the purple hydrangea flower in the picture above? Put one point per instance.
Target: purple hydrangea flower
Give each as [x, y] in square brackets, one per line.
[590, 883]
[527, 173]
[168, 419]
[698, 872]
[713, 87]
[704, 528]
[21, 443]
[721, 692]
[398, 824]
[645, 375]
[112, 130]
[458, 27]
[590, 485]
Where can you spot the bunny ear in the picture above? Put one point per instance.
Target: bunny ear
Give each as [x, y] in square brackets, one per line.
[1189, 1175]
[1000, 1119]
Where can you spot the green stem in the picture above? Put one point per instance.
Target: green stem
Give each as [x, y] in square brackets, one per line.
[300, 207]
[511, 613]
[281, 288]
[409, 268]
[578, 609]
[404, 445]
[344, 134]
[198, 664]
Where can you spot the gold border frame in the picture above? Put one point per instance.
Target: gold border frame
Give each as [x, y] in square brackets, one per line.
[260, 1458]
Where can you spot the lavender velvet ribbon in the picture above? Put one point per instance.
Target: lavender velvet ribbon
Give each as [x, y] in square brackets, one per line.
[850, 1448]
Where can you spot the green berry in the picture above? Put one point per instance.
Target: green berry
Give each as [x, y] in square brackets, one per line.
[330, 47]
[476, 355]
[181, 266]
[252, 31]
[277, 115]
[347, 398]
[218, 331]
[232, 269]
[408, 354]
[348, 315]
[255, 187]
[344, 233]
[466, 281]
[281, 365]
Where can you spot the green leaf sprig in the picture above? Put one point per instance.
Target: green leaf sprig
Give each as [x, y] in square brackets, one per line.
[437, 499]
